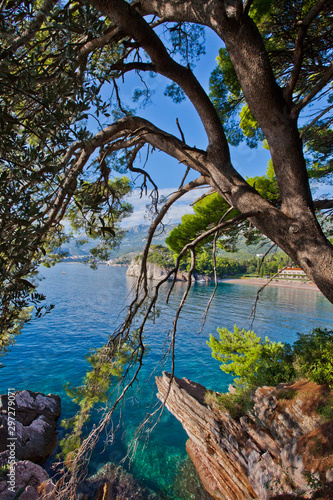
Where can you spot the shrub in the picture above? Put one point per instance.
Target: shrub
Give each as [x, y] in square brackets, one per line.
[161, 256]
[258, 362]
[314, 355]
[325, 409]
[237, 404]
[275, 364]
[287, 394]
[254, 361]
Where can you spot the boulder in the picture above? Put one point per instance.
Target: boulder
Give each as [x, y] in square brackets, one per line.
[28, 422]
[25, 481]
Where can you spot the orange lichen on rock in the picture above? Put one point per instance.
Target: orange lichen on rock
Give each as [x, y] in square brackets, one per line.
[280, 449]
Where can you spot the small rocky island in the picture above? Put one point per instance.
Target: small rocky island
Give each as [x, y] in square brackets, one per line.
[156, 272]
[282, 447]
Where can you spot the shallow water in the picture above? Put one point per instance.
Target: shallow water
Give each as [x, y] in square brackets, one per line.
[90, 304]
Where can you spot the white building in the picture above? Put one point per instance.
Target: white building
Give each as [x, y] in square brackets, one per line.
[293, 273]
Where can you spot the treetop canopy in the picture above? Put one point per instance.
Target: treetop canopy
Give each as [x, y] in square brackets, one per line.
[62, 64]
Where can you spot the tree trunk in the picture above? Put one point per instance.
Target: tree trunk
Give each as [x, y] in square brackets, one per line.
[293, 227]
[302, 238]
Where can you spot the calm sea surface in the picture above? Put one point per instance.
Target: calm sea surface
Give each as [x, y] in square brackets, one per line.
[90, 304]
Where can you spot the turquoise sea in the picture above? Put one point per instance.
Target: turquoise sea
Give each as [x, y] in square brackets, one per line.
[90, 304]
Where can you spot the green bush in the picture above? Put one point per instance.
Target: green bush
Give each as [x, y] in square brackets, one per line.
[257, 362]
[237, 404]
[275, 364]
[161, 256]
[287, 394]
[314, 355]
[325, 408]
[254, 361]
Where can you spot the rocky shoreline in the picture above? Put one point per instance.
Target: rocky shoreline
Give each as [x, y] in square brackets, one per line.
[28, 422]
[268, 452]
[157, 273]
[28, 436]
[279, 449]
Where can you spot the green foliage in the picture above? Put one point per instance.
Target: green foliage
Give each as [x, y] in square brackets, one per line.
[188, 41]
[224, 267]
[239, 351]
[278, 23]
[266, 185]
[175, 92]
[253, 360]
[108, 364]
[226, 95]
[325, 408]
[276, 364]
[161, 256]
[319, 152]
[98, 209]
[314, 355]
[9, 336]
[250, 127]
[313, 479]
[268, 267]
[4, 470]
[204, 265]
[257, 362]
[48, 92]
[207, 213]
[238, 403]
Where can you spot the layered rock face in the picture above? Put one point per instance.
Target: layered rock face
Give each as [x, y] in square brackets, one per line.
[270, 451]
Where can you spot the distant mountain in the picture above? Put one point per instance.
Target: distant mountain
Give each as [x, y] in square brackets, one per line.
[136, 237]
[133, 241]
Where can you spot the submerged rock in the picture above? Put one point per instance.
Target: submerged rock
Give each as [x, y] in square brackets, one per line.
[113, 482]
[28, 422]
[187, 484]
[272, 450]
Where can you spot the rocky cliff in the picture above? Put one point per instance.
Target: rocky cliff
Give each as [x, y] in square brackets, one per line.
[155, 272]
[281, 446]
[31, 418]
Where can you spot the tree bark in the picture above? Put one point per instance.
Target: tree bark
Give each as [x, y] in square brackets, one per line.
[293, 226]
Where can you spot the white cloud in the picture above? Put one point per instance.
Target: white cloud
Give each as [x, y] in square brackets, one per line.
[181, 207]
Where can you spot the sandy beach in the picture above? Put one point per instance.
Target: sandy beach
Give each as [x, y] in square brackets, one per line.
[261, 281]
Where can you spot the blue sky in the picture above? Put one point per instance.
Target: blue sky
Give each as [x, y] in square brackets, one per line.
[166, 171]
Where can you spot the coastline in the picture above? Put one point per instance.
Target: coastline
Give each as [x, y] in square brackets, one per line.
[279, 283]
